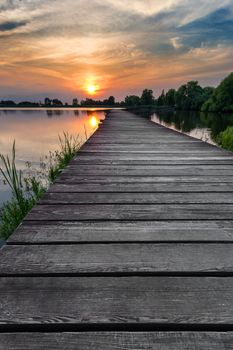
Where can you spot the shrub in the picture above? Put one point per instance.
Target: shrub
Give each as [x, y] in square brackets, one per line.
[225, 138]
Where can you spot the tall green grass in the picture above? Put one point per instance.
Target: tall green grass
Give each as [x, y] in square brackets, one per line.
[69, 146]
[28, 188]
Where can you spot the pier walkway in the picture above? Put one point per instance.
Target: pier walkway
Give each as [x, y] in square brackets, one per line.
[131, 248]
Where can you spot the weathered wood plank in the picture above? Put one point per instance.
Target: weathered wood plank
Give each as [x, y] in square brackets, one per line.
[156, 141]
[111, 300]
[189, 187]
[73, 178]
[172, 258]
[100, 161]
[118, 341]
[145, 146]
[149, 149]
[151, 231]
[146, 159]
[149, 170]
[152, 153]
[150, 140]
[132, 212]
[136, 198]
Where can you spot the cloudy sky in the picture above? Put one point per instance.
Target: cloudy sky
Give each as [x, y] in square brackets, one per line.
[58, 48]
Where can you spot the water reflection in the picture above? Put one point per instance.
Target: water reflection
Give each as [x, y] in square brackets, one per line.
[204, 126]
[187, 123]
[36, 133]
[93, 121]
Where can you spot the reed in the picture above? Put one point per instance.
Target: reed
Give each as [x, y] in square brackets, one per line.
[27, 190]
[69, 146]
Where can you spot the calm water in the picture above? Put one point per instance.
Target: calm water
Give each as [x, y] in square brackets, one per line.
[36, 133]
[205, 127]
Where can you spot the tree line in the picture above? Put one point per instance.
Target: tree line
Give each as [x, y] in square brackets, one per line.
[189, 96]
[146, 98]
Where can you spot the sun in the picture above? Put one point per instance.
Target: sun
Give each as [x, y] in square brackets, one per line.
[91, 89]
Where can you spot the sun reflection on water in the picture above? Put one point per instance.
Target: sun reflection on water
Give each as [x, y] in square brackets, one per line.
[94, 121]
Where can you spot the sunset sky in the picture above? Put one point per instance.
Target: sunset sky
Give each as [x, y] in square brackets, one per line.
[58, 48]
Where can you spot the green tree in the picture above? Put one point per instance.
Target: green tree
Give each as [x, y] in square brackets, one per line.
[111, 100]
[75, 102]
[132, 100]
[189, 96]
[170, 97]
[222, 98]
[161, 99]
[147, 97]
[208, 92]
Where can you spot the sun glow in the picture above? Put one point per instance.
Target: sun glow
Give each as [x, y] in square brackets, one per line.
[91, 89]
[94, 121]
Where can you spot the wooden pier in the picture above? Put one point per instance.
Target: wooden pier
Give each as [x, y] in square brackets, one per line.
[131, 248]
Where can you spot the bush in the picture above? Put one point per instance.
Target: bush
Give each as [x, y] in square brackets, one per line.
[225, 138]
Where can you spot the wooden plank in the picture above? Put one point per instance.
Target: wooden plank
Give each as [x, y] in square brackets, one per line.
[156, 301]
[118, 341]
[149, 170]
[133, 258]
[142, 161]
[63, 178]
[126, 231]
[152, 141]
[89, 147]
[136, 198]
[189, 187]
[162, 139]
[124, 129]
[152, 153]
[112, 130]
[132, 212]
[149, 159]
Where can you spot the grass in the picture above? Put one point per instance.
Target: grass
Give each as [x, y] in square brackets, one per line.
[69, 145]
[28, 189]
[225, 138]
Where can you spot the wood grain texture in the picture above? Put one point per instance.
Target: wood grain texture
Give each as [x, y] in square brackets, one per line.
[169, 187]
[123, 231]
[146, 160]
[136, 198]
[63, 178]
[132, 212]
[114, 300]
[150, 151]
[172, 258]
[150, 170]
[95, 139]
[156, 155]
[118, 341]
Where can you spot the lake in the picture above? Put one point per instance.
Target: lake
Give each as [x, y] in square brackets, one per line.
[36, 133]
[203, 126]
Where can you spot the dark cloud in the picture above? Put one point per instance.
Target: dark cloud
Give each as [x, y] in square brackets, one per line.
[215, 28]
[7, 26]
